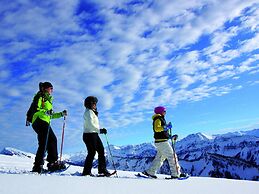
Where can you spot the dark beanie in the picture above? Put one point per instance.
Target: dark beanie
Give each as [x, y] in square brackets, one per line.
[46, 85]
[89, 100]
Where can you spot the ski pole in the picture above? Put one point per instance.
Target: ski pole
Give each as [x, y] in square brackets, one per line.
[62, 139]
[46, 142]
[176, 163]
[111, 155]
[174, 155]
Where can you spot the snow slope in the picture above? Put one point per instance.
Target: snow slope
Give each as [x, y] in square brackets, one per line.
[16, 179]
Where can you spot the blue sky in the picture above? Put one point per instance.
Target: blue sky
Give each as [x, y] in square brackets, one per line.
[197, 58]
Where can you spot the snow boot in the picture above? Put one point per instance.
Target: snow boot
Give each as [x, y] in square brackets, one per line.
[104, 172]
[173, 177]
[56, 166]
[38, 169]
[183, 175]
[149, 175]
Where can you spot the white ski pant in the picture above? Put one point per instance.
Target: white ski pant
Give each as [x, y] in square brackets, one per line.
[165, 151]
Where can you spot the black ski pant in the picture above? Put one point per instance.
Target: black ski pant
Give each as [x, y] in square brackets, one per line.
[94, 144]
[45, 135]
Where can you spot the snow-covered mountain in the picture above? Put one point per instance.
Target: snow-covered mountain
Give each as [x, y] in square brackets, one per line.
[232, 155]
[12, 151]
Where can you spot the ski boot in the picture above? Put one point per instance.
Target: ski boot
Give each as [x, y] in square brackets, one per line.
[104, 172]
[149, 175]
[38, 168]
[183, 175]
[56, 166]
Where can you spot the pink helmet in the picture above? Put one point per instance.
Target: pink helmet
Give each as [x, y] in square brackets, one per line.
[159, 109]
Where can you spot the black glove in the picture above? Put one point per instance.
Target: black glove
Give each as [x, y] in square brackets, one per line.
[103, 131]
[64, 113]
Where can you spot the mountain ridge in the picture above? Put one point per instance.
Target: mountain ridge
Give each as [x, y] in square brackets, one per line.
[231, 155]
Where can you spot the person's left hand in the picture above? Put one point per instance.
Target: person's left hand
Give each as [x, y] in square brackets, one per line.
[169, 125]
[103, 131]
[64, 113]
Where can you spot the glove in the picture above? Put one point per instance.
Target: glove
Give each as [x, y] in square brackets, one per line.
[169, 125]
[165, 128]
[103, 131]
[49, 112]
[64, 113]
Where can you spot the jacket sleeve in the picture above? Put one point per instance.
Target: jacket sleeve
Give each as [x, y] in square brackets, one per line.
[56, 115]
[158, 126]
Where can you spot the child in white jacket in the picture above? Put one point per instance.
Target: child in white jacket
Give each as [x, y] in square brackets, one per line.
[91, 138]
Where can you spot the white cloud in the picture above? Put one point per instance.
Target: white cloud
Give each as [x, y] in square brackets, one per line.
[186, 80]
[247, 64]
[250, 20]
[189, 63]
[129, 79]
[35, 20]
[141, 54]
[251, 44]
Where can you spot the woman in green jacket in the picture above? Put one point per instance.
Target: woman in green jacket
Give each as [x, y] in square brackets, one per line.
[47, 140]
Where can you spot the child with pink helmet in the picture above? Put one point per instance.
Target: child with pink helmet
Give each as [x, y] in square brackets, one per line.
[163, 146]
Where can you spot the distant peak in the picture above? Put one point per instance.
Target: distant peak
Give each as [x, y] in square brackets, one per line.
[197, 137]
[204, 136]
